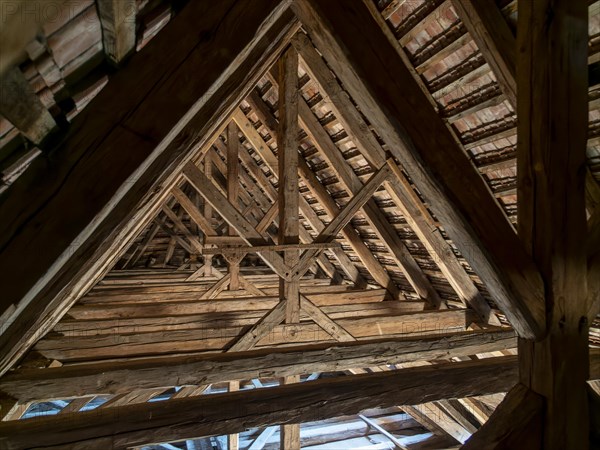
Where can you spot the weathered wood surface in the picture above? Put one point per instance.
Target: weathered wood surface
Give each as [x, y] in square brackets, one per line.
[20, 105]
[411, 206]
[117, 18]
[551, 167]
[110, 378]
[51, 211]
[516, 423]
[206, 336]
[489, 29]
[233, 412]
[374, 73]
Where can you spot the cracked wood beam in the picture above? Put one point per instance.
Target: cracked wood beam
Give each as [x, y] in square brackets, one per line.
[374, 71]
[413, 210]
[20, 105]
[164, 371]
[287, 144]
[233, 412]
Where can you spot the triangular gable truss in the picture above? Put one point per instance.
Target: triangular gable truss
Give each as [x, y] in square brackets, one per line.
[246, 216]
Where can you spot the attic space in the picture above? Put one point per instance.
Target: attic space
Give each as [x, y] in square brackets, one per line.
[300, 224]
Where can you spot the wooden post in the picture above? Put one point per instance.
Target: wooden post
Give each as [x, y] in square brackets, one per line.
[233, 188]
[290, 434]
[207, 210]
[233, 440]
[551, 157]
[288, 176]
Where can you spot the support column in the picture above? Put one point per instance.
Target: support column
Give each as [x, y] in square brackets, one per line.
[233, 188]
[288, 176]
[553, 116]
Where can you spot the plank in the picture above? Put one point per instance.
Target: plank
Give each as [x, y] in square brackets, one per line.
[117, 18]
[374, 71]
[20, 105]
[234, 412]
[81, 244]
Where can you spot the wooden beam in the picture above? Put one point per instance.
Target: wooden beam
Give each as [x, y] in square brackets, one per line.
[187, 418]
[402, 193]
[374, 71]
[290, 433]
[117, 18]
[81, 244]
[490, 31]
[516, 423]
[109, 378]
[20, 105]
[233, 188]
[267, 155]
[231, 215]
[551, 161]
[324, 321]
[288, 189]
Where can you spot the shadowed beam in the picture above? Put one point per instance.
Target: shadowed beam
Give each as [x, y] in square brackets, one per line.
[187, 418]
[109, 378]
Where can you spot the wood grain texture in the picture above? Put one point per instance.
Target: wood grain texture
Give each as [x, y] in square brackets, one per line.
[374, 73]
[78, 210]
[233, 412]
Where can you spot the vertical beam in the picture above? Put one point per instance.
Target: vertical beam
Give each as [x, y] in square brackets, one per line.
[233, 440]
[22, 107]
[207, 210]
[288, 176]
[233, 187]
[117, 18]
[551, 158]
[290, 434]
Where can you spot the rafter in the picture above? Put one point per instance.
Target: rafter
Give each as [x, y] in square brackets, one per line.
[127, 186]
[459, 197]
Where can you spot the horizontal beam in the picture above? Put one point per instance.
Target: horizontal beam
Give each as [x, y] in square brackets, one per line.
[232, 412]
[271, 248]
[110, 378]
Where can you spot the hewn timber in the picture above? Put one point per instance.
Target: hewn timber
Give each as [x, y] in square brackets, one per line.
[20, 105]
[290, 433]
[490, 31]
[371, 263]
[117, 18]
[516, 423]
[187, 418]
[76, 245]
[374, 71]
[288, 195]
[233, 189]
[201, 336]
[551, 160]
[111, 378]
